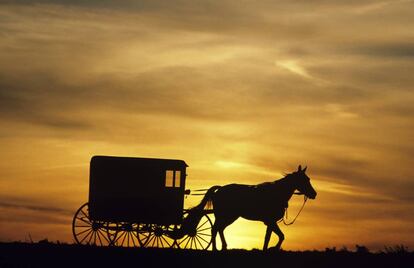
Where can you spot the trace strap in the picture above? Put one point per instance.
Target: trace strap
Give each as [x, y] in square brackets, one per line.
[286, 213]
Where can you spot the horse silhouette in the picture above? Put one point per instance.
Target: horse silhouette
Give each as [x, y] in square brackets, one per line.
[264, 202]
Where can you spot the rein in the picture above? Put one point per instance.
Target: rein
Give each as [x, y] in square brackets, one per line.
[305, 198]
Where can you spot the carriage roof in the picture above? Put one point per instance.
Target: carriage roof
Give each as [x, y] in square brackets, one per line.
[139, 161]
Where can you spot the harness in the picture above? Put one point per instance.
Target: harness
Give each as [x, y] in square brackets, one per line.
[305, 198]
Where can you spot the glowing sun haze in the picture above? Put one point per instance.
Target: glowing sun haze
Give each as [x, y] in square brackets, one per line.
[243, 91]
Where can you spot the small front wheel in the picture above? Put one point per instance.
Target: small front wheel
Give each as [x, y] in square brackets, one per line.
[198, 237]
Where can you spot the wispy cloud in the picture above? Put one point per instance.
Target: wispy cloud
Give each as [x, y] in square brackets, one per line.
[294, 67]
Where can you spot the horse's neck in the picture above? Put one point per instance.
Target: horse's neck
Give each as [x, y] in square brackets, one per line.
[286, 189]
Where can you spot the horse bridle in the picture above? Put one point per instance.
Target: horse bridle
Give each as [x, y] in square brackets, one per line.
[305, 198]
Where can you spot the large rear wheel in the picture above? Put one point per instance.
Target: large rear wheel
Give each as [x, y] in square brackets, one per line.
[89, 232]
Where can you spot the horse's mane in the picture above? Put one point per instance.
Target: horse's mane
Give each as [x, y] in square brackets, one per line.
[270, 183]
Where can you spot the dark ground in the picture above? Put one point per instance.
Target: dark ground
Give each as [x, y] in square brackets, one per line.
[54, 255]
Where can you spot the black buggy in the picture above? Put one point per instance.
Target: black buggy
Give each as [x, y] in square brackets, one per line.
[138, 202]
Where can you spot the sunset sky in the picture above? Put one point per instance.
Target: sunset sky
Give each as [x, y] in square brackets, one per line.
[243, 91]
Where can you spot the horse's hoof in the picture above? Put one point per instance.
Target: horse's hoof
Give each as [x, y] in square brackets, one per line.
[273, 249]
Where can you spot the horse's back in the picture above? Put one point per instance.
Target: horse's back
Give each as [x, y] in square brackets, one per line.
[252, 202]
[234, 190]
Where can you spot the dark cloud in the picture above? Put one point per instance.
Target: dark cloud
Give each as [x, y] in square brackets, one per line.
[48, 209]
[37, 99]
[44, 99]
[33, 208]
[396, 50]
[389, 186]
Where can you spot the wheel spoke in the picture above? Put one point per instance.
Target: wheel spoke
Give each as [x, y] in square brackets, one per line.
[187, 242]
[166, 241]
[161, 241]
[92, 238]
[103, 235]
[90, 231]
[151, 239]
[117, 237]
[198, 227]
[202, 239]
[99, 238]
[205, 234]
[87, 222]
[143, 240]
[86, 215]
[191, 243]
[195, 243]
[207, 228]
[123, 240]
[182, 240]
[83, 231]
[197, 240]
[133, 241]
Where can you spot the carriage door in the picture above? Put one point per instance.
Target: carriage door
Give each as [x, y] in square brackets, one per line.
[174, 195]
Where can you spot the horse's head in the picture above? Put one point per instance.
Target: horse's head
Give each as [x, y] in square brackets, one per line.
[302, 183]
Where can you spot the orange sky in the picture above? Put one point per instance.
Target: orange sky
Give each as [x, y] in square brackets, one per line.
[242, 91]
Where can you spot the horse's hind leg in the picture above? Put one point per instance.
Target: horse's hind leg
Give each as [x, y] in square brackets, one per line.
[219, 225]
[267, 237]
[213, 236]
[279, 233]
[223, 240]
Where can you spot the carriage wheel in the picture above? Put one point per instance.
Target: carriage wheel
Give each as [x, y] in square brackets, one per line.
[128, 235]
[88, 232]
[200, 238]
[159, 236]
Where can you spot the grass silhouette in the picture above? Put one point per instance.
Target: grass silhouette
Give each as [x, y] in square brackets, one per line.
[48, 254]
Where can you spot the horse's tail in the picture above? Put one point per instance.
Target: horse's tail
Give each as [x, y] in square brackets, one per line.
[195, 214]
[207, 197]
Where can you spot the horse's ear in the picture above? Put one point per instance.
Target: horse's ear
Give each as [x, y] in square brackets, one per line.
[304, 169]
[299, 168]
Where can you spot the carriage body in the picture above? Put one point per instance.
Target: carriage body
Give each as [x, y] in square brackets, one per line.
[139, 202]
[145, 190]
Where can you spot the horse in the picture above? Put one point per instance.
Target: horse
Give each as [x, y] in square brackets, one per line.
[264, 202]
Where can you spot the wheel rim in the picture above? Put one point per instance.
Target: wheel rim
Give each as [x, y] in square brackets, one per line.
[156, 236]
[88, 232]
[200, 238]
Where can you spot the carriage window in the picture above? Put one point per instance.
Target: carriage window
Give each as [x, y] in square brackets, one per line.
[172, 178]
[169, 178]
[177, 178]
